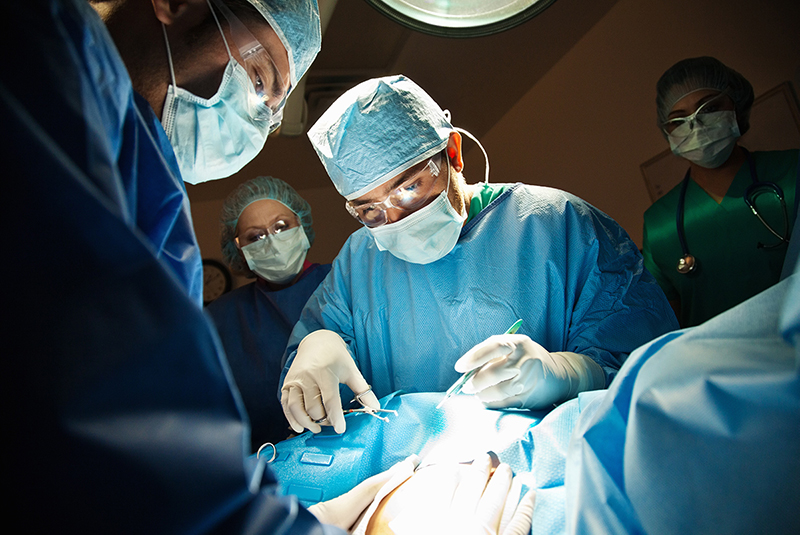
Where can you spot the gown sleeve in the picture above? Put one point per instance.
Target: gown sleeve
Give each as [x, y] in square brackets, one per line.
[123, 417]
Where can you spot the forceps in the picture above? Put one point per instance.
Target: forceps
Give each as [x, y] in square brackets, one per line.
[363, 409]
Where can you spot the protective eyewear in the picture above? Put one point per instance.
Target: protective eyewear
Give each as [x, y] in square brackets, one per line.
[682, 126]
[270, 87]
[252, 235]
[411, 195]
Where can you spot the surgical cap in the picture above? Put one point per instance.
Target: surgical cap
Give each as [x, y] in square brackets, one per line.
[377, 130]
[257, 189]
[705, 72]
[297, 24]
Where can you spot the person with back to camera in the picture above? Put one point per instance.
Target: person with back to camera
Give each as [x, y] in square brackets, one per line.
[721, 235]
[266, 232]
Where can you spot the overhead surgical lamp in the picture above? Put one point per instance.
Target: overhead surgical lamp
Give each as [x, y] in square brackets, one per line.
[460, 18]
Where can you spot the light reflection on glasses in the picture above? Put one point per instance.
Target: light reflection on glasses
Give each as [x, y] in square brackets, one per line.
[687, 124]
[253, 235]
[270, 86]
[409, 196]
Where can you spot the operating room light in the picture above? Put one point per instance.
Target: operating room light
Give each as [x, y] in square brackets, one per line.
[460, 18]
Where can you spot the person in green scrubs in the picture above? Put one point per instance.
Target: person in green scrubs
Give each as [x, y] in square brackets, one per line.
[729, 254]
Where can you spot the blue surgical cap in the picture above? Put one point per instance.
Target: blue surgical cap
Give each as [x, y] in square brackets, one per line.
[692, 74]
[259, 188]
[377, 130]
[297, 24]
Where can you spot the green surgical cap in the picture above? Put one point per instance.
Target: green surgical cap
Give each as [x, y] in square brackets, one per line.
[705, 72]
[257, 189]
[377, 130]
[297, 24]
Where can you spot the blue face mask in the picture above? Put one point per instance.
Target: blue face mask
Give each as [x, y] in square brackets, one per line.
[424, 236]
[214, 138]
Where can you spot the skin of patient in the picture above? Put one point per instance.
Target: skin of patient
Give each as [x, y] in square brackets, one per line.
[433, 480]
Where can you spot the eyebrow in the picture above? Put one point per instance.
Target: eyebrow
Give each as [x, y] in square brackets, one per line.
[405, 175]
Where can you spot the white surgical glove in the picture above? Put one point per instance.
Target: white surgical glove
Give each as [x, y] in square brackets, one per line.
[310, 391]
[457, 499]
[520, 373]
[343, 511]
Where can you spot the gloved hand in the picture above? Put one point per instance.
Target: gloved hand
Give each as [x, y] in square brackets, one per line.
[520, 373]
[343, 511]
[311, 389]
[456, 498]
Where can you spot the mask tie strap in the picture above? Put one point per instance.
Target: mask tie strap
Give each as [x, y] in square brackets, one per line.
[219, 26]
[169, 56]
[485, 156]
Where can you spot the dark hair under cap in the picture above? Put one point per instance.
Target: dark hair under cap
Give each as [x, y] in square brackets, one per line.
[705, 72]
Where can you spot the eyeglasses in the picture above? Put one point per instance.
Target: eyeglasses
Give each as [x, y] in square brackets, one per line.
[270, 88]
[681, 126]
[253, 235]
[412, 194]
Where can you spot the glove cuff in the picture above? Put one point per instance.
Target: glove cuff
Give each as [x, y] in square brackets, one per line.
[584, 374]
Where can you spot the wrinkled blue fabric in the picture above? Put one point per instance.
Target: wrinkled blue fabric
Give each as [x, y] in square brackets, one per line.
[377, 130]
[534, 443]
[298, 26]
[566, 269]
[121, 414]
[254, 324]
[700, 431]
[151, 192]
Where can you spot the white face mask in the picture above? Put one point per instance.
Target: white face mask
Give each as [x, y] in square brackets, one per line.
[279, 257]
[214, 138]
[709, 144]
[424, 236]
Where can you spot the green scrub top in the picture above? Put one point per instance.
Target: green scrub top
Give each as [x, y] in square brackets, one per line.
[724, 239]
[484, 195]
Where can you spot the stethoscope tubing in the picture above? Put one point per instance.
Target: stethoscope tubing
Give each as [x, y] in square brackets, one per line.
[688, 262]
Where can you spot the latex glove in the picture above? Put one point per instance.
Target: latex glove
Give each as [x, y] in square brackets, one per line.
[457, 499]
[343, 511]
[521, 514]
[311, 389]
[520, 373]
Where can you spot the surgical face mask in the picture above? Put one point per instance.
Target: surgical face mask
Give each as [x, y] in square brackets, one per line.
[424, 236]
[279, 257]
[708, 143]
[214, 138]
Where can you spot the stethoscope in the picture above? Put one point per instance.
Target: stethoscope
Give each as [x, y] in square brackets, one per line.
[687, 263]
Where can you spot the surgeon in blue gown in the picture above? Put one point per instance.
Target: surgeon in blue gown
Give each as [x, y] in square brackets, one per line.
[266, 232]
[440, 267]
[698, 433]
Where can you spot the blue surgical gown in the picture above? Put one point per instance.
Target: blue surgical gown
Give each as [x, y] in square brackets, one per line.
[565, 268]
[254, 324]
[700, 431]
[120, 411]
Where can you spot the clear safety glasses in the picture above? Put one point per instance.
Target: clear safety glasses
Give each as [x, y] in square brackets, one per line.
[270, 86]
[682, 126]
[252, 235]
[409, 196]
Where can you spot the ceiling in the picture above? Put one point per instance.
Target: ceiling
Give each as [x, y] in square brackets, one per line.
[477, 79]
